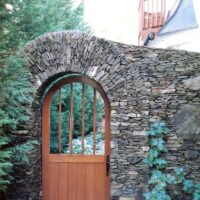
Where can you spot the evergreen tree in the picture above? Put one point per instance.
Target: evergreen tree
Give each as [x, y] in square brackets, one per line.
[20, 22]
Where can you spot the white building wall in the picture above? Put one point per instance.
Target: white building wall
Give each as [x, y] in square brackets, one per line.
[115, 20]
[185, 40]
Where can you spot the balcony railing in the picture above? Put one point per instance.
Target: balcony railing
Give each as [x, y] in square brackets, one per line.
[151, 17]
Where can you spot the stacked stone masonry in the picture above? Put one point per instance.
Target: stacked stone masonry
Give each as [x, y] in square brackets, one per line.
[142, 84]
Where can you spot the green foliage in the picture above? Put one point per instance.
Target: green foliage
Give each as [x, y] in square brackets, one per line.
[20, 151]
[188, 185]
[196, 194]
[88, 145]
[157, 193]
[180, 174]
[15, 99]
[160, 180]
[5, 165]
[156, 143]
[20, 22]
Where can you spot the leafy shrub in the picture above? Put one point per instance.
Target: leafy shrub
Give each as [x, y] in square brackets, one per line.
[88, 144]
[160, 180]
[22, 22]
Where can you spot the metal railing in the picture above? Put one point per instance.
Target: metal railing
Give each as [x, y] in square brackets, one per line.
[151, 17]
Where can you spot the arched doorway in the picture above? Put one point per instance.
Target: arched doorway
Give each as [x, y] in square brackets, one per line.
[76, 141]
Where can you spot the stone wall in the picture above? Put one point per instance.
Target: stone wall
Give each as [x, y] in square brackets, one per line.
[142, 84]
[172, 81]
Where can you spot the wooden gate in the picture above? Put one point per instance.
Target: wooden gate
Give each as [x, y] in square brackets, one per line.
[75, 163]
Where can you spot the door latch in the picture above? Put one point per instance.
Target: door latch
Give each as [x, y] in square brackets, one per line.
[107, 165]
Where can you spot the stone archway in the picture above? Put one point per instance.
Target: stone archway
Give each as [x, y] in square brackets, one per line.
[54, 55]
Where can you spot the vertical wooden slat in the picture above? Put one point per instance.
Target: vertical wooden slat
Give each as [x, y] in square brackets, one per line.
[83, 116]
[142, 14]
[148, 14]
[156, 13]
[94, 123]
[63, 184]
[53, 181]
[107, 145]
[100, 181]
[161, 14]
[152, 14]
[81, 178]
[90, 182]
[46, 145]
[71, 118]
[72, 184]
[164, 10]
[60, 122]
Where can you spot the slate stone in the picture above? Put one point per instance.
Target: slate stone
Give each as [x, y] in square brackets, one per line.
[191, 154]
[192, 83]
[187, 121]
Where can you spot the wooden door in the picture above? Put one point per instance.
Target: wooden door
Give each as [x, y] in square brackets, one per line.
[72, 169]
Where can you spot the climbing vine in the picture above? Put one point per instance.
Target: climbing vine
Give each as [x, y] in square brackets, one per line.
[159, 179]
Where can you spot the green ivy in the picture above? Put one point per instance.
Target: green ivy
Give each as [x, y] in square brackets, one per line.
[157, 145]
[160, 180]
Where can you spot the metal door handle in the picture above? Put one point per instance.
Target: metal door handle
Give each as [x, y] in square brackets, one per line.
[107, 165]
